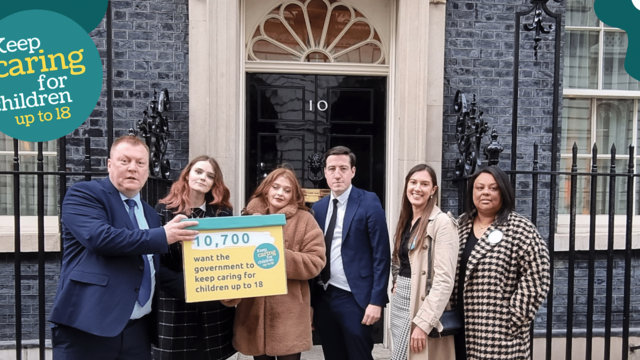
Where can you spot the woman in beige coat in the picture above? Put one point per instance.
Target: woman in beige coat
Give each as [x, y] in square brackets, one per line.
[280, 326]
[418, 302]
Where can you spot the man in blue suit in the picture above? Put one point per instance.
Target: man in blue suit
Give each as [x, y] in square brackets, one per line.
[110, 266]
[352, 288]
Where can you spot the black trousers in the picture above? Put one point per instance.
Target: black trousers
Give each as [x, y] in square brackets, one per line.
[133, 343]
[337, 318]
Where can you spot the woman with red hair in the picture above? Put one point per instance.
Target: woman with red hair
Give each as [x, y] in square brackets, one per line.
[280, 326]
[196, 330]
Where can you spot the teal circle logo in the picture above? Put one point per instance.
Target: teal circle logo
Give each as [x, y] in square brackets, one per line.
[88, 14]
[266, 256]
[50, 75]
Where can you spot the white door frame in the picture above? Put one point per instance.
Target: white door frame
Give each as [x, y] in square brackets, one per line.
[415, 90]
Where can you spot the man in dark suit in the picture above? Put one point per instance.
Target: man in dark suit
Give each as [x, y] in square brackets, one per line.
[352, 288]
[110, 266]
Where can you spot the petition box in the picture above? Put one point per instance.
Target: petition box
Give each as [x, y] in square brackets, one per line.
[235, 257]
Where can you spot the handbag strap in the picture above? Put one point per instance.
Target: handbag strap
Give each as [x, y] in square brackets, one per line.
[430, 260]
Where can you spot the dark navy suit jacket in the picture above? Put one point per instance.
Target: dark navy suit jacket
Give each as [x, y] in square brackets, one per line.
[365, 246]
[102, 266]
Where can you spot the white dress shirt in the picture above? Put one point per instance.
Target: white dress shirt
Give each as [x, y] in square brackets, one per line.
[138, 309]
[338, 277]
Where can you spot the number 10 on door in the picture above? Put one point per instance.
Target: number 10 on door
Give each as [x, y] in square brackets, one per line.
[322, 105]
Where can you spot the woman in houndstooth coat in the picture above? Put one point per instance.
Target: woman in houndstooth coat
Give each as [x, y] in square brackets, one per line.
[503, 272]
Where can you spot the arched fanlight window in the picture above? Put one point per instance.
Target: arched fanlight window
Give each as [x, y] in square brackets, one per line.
[327, 31]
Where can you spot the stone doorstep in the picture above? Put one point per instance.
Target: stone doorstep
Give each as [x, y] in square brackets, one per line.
[26, 344]
[30, 350]
[7, 351]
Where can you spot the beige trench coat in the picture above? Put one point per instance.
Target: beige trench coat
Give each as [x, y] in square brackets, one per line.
[426, 310]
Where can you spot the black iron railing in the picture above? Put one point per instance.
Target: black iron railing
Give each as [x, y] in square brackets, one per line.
[600, 321]
[155, 189]
[153, 128]
[540, 10]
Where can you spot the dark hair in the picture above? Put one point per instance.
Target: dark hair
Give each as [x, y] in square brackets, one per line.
[406, 211]
[178, 198]
[506, 194]
[341, 150]
[296, 191]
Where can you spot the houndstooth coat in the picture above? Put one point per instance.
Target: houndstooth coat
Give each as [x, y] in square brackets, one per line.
[504, 286]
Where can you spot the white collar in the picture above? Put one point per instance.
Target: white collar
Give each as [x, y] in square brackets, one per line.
[135, 198]
[344, 197]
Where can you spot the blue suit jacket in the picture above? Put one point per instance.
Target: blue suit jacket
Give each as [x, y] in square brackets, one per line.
[102, 266]
[365, 246]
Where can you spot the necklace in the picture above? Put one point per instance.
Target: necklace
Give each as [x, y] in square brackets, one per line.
[197, 213]
[483, 227]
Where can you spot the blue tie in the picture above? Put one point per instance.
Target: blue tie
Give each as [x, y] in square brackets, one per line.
[145, 287]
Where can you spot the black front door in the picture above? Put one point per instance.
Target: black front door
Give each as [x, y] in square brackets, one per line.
[291, 117]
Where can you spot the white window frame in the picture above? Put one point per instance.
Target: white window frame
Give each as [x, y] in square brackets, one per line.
[582, 221]
[253, 62]
[29, 223]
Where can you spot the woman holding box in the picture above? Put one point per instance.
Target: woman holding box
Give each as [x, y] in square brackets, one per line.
[280, 326]
[198, 330]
